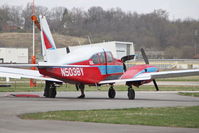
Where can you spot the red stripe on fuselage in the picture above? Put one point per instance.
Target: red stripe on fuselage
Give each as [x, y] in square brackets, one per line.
[86, 75]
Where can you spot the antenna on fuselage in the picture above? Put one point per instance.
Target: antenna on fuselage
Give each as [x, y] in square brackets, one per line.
[67, 50]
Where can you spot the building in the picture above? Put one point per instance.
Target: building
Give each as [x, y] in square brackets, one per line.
[118, 49]
[13, 55]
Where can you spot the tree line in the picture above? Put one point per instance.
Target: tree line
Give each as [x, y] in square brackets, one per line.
[154, 31]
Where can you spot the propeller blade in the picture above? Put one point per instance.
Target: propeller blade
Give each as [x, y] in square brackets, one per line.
[155, 84]
[144, 56]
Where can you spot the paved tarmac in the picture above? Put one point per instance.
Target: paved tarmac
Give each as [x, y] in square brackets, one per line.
[10, 107]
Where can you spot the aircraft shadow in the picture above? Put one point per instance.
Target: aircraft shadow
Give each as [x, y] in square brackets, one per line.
[92, 98]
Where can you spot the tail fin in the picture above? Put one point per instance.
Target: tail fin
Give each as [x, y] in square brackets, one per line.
[46, 38]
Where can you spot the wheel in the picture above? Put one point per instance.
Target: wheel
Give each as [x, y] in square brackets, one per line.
[131, 93]
[46, 89]
[50, 90]
[111, 92]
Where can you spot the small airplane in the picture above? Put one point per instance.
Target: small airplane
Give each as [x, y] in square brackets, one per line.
[93, 66]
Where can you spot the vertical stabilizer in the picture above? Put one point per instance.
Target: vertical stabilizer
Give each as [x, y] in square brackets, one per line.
[46, 38]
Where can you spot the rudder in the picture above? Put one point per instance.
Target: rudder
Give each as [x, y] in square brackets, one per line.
[46, 38]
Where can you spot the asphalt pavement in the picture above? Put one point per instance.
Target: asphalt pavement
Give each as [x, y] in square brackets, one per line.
[11, 107]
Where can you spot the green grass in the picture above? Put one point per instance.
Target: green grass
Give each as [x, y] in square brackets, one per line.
[24, 87]
[170, 116]
[189, 94]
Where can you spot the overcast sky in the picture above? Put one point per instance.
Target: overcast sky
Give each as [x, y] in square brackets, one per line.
[176, 8]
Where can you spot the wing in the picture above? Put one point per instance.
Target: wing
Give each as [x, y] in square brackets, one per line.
[155, 75]
[41, 65]
[23, 73]
[6, 70]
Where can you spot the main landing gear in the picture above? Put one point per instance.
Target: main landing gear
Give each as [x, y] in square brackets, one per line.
[130, 94]
[50, 89]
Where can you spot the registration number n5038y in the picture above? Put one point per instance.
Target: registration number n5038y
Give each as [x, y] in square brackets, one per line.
[72, 71]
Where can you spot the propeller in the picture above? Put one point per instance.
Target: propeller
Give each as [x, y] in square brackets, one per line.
[147, 62]
[144, 56]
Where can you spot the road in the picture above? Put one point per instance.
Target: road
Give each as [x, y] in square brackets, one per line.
[10, 107]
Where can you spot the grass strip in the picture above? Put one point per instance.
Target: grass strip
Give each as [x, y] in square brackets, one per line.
[24, 87]
[195, 94]
[168, 116]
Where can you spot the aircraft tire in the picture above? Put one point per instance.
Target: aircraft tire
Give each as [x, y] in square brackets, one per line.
[46, 89]
[131, 93]
[111, 92]
[50, 90]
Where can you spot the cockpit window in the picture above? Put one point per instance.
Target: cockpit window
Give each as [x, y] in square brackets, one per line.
[102, 57]
[109, 57]
[95, 59]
